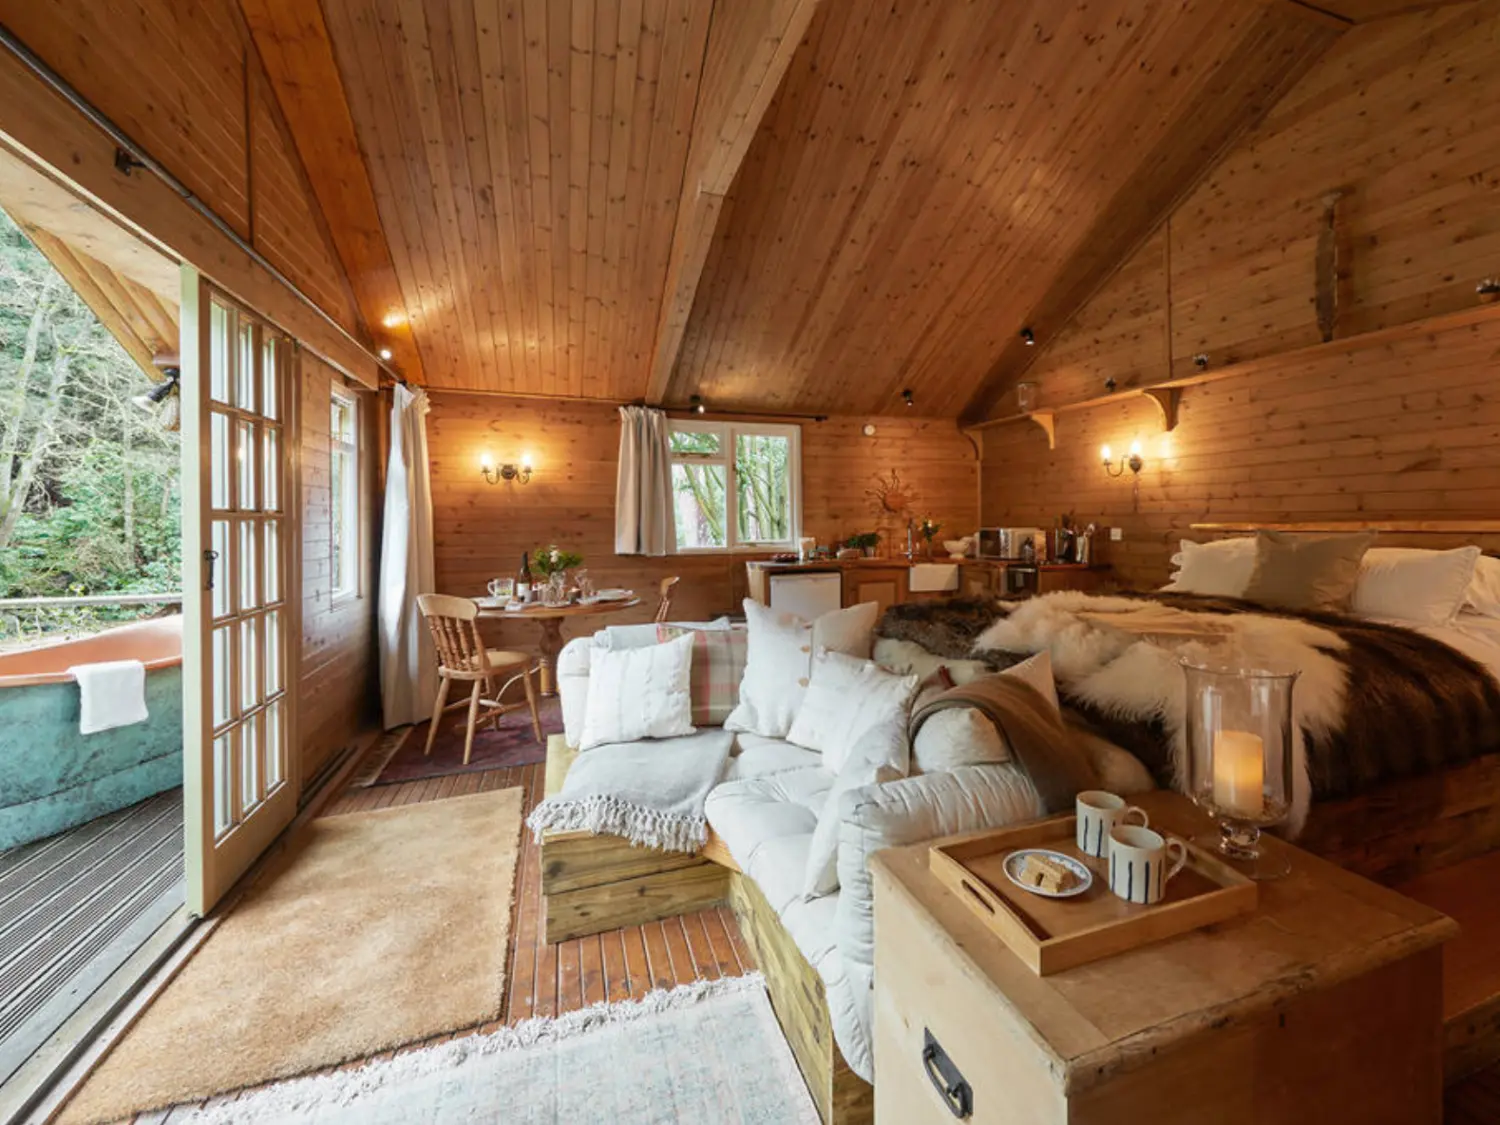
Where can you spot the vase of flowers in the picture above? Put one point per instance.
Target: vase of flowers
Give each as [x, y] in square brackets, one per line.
[928, 529]
[553, 564]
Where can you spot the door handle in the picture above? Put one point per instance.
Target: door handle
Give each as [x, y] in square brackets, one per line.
[946, 1078]
[210, 557]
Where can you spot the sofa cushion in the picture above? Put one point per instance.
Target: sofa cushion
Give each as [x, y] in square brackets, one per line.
[756, 755]
[638, 693]
[965, 736]
[845, 696]
[753, 812]
[882, 753]
[718, 668]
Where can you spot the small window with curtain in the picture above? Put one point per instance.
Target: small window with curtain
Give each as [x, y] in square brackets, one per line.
[343, 432]
[735, 486]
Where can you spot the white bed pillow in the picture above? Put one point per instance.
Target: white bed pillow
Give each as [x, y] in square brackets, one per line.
[844, 695]
[879, 754]
[1409, 584]
[778, 661]
[637, 693]
[965, 736]
[1220, 569]
[1484, 588]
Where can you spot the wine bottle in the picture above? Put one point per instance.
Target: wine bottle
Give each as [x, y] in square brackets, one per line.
[523, 580]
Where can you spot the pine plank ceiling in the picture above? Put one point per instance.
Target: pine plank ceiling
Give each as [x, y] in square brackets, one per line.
[780, 205]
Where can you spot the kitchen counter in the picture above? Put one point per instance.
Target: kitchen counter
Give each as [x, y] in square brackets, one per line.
[888, 581]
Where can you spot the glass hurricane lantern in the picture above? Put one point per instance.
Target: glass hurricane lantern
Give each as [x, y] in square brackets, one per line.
[1240, 760]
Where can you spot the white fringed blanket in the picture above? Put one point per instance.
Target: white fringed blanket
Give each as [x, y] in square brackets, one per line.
[650, 792]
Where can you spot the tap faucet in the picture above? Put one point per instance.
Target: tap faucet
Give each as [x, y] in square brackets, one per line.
[911, 539]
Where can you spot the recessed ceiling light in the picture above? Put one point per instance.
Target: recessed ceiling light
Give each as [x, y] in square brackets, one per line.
[385, 353]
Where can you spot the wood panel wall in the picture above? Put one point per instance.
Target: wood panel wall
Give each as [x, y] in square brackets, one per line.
[185, 83]
[481, 530]
[340, 673]
[1402, 117]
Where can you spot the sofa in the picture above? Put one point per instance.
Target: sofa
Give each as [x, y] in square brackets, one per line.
[818, 953]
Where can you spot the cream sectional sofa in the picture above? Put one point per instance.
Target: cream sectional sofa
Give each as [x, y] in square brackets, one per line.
[765, 811]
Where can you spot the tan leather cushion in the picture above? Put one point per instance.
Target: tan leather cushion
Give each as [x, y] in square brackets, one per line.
[1317, 572]
[502, 659]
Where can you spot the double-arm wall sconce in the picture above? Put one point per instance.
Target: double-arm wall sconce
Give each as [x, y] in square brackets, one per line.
[494, 474]
[1133, 462]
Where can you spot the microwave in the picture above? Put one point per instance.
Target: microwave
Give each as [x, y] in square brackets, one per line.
[1005, 542]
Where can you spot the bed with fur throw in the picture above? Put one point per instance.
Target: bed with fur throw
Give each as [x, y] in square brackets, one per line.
[1375, 703]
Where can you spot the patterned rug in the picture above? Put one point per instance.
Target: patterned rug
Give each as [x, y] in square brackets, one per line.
[513, 744]
[705, 1052]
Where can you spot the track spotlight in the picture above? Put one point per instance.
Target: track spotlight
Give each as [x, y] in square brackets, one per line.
[1028, 337]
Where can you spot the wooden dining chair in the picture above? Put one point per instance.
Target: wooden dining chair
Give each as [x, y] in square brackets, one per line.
[454, 625]
[664, 607]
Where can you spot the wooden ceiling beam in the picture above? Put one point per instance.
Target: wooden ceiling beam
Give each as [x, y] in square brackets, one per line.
[749, 49]
[292, 40]
[1242, 90]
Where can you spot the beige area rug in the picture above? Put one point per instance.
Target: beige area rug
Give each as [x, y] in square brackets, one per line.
[374, 930]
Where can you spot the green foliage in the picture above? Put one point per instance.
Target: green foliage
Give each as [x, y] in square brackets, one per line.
[864, 541]
[551, 560]
[928, 528]
[89, 492]
[762, 475]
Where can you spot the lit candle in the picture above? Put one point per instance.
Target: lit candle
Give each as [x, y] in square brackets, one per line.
[1135, 449]
[1104, 454]
[485, 461]
[1239, 772]
[526, 461]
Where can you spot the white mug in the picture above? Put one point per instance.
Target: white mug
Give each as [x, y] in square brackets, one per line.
[1098, 813]
[1141, 863]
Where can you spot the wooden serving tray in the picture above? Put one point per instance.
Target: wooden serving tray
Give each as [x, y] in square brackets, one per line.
[1053, 934]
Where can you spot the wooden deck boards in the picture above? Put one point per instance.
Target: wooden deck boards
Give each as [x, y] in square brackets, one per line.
[549, 980]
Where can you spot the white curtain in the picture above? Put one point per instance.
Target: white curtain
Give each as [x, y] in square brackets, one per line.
[643, 489]
[408, 663]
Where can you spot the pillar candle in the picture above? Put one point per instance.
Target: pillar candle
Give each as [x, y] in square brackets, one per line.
[1239, 772]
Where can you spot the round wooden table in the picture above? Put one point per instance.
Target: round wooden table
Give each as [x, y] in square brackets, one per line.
[550, 618]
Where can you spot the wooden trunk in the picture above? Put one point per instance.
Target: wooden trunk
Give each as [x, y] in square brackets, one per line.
[841, 1096]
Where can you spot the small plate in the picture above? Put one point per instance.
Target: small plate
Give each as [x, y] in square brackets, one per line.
[1014, 861]
[491, 603]
[612, 595]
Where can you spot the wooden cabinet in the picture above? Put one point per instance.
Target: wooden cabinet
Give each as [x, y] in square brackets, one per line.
[1324, 1005]
[885, 586]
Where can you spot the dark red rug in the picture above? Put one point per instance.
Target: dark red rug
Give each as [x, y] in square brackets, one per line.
[512, 745]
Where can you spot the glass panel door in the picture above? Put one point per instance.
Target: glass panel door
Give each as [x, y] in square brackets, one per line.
[238, 661]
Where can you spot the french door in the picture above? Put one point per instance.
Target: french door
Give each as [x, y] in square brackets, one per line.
[239, 658]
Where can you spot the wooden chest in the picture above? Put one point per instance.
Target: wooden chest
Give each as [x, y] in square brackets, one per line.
[1323, 1006]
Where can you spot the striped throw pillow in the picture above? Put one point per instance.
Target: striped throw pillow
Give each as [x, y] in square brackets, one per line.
[718, 666]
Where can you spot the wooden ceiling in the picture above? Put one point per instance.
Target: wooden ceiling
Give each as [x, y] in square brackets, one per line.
[785, 204]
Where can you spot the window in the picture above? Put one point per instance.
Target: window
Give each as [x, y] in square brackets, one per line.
[735, 486]
[343, 433]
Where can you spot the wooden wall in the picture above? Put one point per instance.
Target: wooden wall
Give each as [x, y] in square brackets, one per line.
[481, 530]
[1396, 416]
[185, 83]
[340, 672]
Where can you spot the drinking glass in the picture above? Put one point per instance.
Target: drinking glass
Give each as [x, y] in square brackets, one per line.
[585, 585]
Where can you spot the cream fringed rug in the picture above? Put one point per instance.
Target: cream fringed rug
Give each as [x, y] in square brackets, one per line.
[709, 1052]
[374, 929]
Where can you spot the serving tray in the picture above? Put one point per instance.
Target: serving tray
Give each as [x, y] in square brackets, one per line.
[1053, 934]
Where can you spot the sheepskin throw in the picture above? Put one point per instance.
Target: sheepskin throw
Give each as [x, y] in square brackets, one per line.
[649, 792]
[1374, 702]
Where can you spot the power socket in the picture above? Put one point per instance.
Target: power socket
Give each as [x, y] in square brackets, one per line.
[1116, 534]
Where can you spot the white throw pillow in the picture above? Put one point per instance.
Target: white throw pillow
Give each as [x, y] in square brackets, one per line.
[1409, 584]
[778, 662]
[880, 754]
[637, 693]
[844, 695]
[1484, 588]
[1220, 569]
[965, 736]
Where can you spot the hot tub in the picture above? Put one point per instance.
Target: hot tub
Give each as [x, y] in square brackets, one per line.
[51, 776]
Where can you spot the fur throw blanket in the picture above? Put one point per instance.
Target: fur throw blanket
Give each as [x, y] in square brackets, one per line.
[1374, 702]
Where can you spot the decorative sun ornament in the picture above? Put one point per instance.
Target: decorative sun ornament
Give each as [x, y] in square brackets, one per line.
[890, 496]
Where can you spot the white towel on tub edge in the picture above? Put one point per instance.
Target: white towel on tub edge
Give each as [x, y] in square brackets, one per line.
[110, 694]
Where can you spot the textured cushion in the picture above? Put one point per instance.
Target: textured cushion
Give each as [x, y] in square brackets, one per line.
[751, 813]
[1316, 572]
[1407, 584]
[964, 736]
[902, 812]
[638, 693]
[845, 695]
[778, 664]
[1484, 590]
[642, 635]
[908, 658]
[758, 756]
[573, 664]
[880, 754]
[1220, 569]
[718, 667]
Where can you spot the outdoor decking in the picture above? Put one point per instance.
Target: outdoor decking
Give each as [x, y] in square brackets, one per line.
[73, 908]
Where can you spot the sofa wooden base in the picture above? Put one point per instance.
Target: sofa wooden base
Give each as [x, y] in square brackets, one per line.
[841, 1096]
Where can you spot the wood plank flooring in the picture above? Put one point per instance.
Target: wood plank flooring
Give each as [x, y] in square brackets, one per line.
[549, 980]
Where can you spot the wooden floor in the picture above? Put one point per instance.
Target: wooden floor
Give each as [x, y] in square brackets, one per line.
[548, 980]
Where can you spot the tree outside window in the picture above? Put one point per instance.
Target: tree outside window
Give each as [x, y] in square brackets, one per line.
[735, 486]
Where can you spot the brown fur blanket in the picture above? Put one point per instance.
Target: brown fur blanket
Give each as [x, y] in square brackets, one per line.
[1410, 704]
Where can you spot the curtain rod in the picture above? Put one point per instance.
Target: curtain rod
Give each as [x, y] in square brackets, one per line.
[130, 155]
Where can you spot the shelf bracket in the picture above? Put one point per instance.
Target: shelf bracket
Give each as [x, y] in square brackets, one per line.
[1048, 421]
[1167, 400]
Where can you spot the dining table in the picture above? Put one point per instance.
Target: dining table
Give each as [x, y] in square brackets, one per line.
[551, 618]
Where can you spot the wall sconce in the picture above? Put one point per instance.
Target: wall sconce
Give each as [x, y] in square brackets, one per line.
[1133, 462]
[494, 474]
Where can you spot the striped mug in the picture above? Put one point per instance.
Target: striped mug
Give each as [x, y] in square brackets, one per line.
[1141, 863]
[1098, 813]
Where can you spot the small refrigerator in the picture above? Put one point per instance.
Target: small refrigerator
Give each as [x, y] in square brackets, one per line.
[807, 595]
